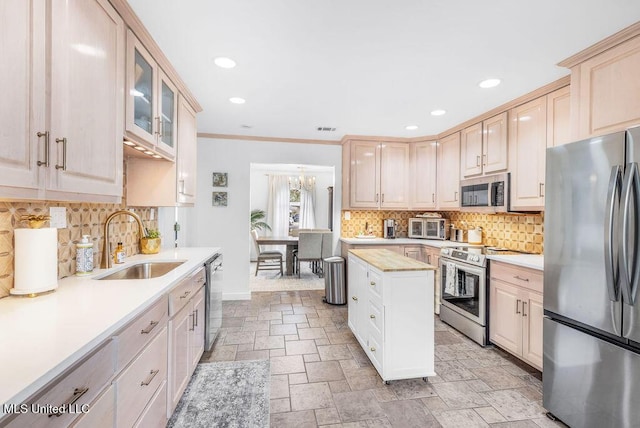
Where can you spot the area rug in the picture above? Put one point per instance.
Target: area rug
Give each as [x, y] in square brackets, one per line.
[230, 394]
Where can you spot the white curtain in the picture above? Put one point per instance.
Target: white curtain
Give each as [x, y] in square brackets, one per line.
[307, 212]
[278, 205]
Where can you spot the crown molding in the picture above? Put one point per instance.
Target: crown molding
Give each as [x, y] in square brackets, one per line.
[267, 139]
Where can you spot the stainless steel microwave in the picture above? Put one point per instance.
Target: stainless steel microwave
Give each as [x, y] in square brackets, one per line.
[486, 194]
[429, 228]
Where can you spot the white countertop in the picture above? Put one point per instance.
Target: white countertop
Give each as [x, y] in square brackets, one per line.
[43, 336]
[403, 241]
[533, 261]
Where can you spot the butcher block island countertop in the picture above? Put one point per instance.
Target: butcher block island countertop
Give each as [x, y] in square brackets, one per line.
[389, 261]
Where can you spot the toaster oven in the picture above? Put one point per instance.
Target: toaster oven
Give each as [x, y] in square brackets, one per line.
[429, 228]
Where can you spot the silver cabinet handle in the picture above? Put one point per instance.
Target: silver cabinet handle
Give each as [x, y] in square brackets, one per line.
[521, 278]
[372, 283]
[46, 148]
[152, 374]
[354, 298]
[518, 306]
[77, 393]
[157, 125]
[186, 293]
[433, 197]
[376, 197]
[372, 316]
[64, 153]
[373, 349]
[181, 187]
[477, 160]
[383, 197]
[455, 196]
[193, 321]
[540, 190]
[484, 160]
[151, 326]
[195, 318]
[524, 314]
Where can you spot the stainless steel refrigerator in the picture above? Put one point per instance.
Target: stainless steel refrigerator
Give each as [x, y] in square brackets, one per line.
[591, 374]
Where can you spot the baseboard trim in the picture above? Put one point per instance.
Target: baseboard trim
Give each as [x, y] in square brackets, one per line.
[245, 295]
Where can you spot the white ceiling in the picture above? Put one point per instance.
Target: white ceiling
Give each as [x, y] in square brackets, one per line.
[369, 67]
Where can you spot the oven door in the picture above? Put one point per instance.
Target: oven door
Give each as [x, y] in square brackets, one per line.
[463, 289]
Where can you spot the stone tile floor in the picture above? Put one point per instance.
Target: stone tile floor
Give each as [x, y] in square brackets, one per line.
[320, 375]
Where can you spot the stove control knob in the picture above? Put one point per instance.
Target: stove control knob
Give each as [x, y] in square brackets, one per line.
[445, 251]
[475, 258]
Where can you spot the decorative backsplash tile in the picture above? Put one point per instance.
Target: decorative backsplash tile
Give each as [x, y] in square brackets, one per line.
[82, 219]
[520, 232]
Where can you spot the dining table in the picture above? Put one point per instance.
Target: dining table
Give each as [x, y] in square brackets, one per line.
[290, 241]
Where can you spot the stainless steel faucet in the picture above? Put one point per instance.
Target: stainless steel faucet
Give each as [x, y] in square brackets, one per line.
[106, 254]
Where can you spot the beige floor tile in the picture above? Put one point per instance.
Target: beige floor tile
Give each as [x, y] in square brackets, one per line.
[408, 413]
[459, 395]
[279, 387]
[327, 416]
[299, 347]
[252, 355]
[357, 406]
[311, 333]
[324, 371]
[311, 358]
[279, 405]
[283, 329]
[268, 342]
[298, 378]
[304, 419]
[490, 415]
[293, 319]
[465, 418]
[237, 338]
[310, 396]
[513, 405]
[287, 364]
[334, 352]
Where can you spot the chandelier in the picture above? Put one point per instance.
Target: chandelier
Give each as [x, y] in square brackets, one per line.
[302, 182]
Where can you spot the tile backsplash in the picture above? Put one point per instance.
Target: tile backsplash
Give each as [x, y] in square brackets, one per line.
[82, 219]
[520, 232]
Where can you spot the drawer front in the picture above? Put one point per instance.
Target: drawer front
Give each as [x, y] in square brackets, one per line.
[375, 285]
[102, 412]
[155, 415]
[199, 278]
[138, 383]
[140, 332]
[516, 275]
[180, 295]
[78, 388]
[375, 352]
[376, 321]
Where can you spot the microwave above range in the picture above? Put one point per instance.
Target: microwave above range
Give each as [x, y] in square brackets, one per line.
[429, 228]
[488, 194]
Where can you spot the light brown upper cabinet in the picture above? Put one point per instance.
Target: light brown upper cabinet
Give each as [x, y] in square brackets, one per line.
[483, 147]
[559, 117]
[527, 151]
[605, 88]
[62, 106]
[448, 182]
[423, 174]
[379, 174]
[152, 101]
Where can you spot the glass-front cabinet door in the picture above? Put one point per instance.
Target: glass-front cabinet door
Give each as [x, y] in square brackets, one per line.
[167, 113]
[142, 94]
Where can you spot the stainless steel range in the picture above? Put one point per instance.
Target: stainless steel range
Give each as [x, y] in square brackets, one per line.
[465, 294]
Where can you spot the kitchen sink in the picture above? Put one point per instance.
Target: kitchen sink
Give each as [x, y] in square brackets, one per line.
[144, 270]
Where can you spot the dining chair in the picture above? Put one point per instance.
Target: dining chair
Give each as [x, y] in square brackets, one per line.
[267, 260]
[309, 248]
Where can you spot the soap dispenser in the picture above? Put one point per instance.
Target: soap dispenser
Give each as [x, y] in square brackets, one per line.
[84, 256]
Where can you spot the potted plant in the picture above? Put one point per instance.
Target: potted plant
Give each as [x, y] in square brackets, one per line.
[256, 220]
[150, 244]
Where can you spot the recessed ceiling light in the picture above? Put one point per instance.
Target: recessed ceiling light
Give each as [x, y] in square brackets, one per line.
[411, 127]
[438, 112]
[489, 83]
[224, 62]
[237, 100]
[129, 143]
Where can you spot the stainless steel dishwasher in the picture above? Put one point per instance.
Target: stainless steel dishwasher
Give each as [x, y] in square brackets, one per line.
[213, 300]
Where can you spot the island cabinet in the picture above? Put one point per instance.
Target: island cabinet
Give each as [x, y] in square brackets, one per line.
[63, 81]
[389, 300]
[516, 311]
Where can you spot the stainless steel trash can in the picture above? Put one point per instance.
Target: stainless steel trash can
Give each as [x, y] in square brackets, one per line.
[334, 282]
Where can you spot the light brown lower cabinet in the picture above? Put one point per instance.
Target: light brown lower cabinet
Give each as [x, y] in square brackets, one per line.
[516, 311]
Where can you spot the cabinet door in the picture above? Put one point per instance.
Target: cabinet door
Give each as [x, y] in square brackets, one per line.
[471, 150]
[197, 329]
[22, 83]
[365, 174]
[357, 272]
[532, 316]
[394, 175]
[87, 82]
[606, 93]
[423, 173]
[505, 316]
[527, 151]
[186, 161]
[142, 81]
[449, 172]
[179, 361]
[167, 115]
[413, 252]
[558, 117]
[494, 148]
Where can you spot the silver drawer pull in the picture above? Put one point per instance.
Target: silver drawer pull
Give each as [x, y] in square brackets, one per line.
[520, 278]
[151, 326]
[373, 283]
[372, 316]
[77, 393]
[193, 322]
[373, 349]
[152, 374]
[186, 293]
[195, 318]
[354, 298]
[524, 314]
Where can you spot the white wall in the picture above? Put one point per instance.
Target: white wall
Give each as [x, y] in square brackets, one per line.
[228, 227]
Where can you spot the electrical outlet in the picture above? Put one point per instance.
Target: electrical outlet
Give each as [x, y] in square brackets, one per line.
[152, 214]
[347, 215]
[58, 217]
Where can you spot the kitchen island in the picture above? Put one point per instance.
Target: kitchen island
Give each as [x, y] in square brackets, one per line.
[48, 336]
[390, 298]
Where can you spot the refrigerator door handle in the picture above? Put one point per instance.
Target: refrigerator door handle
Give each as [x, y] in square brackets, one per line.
[610, 264]
[629, 278]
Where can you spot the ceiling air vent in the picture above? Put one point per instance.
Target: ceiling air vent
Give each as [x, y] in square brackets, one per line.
[325, 129]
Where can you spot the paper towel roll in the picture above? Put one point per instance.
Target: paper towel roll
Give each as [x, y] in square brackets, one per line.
[35, 261]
